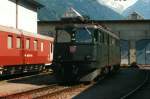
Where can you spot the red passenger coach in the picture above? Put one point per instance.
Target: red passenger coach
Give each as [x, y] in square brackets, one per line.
[21, 51]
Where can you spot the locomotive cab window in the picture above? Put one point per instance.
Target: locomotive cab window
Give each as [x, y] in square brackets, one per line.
[10, 42]
[35, 44]
[27, 43]
[18, 42]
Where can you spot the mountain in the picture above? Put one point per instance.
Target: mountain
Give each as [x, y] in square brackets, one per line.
[54, 9]
[141, 6]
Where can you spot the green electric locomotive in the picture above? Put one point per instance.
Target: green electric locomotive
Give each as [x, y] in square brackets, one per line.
[84, 51]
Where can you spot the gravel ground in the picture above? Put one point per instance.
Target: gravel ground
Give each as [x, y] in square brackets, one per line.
[114, 86]
[67, 93]
[24, 84]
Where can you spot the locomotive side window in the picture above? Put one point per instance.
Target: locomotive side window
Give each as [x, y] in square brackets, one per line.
[110, 40]
[10, 42]
[105, 38]
[113, 41]
[42, 46]
[102, 37]
[96, 35]
[27, 43]
[117, 42]
[35, 44]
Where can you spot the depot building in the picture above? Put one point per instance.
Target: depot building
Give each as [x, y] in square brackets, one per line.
[20, 14]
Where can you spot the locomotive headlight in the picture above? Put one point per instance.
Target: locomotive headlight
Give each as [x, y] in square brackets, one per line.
[59, 57]
[88, 57]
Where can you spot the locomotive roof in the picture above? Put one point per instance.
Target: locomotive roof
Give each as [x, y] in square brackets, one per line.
[19, 32]
[106, 30]
[109, 32]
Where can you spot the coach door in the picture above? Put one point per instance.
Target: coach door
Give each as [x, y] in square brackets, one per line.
[26, 50]
[51, 51]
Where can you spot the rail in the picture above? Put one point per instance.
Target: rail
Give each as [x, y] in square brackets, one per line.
[132, 92]
[30, 94]
[50, 91]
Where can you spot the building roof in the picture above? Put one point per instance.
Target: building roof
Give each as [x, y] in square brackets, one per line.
[31, 2]
[94, 21]
[135, 16]
[35, 3]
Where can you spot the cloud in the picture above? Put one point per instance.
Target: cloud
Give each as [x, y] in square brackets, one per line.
[118, 5]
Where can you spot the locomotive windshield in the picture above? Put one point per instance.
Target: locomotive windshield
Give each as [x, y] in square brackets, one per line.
[63, 36]
[83, 35]
[79, 35]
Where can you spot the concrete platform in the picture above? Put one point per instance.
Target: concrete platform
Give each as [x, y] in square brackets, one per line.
[114, 86]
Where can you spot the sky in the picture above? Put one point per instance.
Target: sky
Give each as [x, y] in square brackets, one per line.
[118, 5]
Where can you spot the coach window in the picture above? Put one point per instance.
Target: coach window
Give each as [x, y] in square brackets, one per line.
[42, 46]
[51, 47]
[35, 44]
[27, 43]
[18, 42]
[10, 42]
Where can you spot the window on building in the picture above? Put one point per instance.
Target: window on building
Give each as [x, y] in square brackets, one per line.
[27, 43]
[35, 44]
[42, 46]
[10, 42]
[18, 42]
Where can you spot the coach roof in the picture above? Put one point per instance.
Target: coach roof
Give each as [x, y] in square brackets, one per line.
[19, 32]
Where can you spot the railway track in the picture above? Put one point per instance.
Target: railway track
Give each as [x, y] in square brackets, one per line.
[23, 77]
[49, 92]
[141, 87]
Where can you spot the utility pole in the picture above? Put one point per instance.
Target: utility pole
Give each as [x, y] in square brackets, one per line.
[16, 14]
